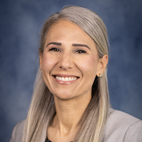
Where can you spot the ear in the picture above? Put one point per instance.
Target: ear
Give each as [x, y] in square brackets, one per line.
[40, 59]
[102, 65]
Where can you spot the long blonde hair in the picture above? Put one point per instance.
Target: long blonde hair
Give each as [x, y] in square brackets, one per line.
[42, 108]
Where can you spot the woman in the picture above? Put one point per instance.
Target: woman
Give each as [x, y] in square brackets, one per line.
[70, 99]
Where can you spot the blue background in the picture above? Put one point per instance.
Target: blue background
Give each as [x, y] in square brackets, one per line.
[20, 24]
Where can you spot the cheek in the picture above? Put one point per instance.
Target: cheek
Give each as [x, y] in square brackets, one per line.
[48, 62]
[88, 64]
[88, 67]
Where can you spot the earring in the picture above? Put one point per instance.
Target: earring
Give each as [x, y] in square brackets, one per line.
[100, 75]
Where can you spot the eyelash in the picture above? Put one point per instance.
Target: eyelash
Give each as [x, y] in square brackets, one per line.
[54, 49]
[58, 50]
[80, 51]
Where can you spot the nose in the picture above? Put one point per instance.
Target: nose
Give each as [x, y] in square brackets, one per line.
[66, 61]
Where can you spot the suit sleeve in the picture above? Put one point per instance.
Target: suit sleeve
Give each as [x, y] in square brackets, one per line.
[17, 133]
[134, 132]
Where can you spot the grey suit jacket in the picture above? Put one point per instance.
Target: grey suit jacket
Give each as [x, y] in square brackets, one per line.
[120, 127]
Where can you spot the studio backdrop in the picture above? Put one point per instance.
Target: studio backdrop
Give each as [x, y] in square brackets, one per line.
[20, 25]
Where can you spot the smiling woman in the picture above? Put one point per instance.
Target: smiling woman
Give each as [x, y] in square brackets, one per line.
[70, 62]
[70, 99]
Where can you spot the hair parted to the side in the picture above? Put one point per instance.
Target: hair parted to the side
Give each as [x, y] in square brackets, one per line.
[42, 108]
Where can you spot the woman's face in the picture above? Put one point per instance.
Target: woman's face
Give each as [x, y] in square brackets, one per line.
[69, 62]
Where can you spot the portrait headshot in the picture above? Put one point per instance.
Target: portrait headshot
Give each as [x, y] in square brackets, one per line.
[72, 73]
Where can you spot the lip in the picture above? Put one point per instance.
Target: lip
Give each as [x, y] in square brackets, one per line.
[64, 75]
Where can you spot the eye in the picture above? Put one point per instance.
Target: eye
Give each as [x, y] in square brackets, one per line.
[80, 51]
[54, 49]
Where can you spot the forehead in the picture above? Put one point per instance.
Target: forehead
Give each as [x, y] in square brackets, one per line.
[66, 30]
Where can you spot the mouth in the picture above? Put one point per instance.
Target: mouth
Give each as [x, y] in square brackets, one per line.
[65, 77]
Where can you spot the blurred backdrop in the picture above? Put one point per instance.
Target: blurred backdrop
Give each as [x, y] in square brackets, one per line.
[20, 25]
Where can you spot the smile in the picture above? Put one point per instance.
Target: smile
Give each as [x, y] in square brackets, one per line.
[66, 78]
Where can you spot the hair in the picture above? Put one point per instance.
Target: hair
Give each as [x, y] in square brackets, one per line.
[42, 109]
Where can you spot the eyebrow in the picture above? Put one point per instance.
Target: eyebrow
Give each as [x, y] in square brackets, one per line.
[74, 44]
[55, 43]
[82, 45]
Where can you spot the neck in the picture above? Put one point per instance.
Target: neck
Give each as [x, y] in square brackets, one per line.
[69, 113]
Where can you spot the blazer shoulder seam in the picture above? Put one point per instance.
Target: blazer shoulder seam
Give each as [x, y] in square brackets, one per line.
[129, 128]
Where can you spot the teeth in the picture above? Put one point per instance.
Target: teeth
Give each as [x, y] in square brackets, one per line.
[66, 78]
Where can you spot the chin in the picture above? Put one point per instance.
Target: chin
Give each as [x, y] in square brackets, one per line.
[63, 96]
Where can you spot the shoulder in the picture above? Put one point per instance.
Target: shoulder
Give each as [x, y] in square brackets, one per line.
[122, 127]
[18, 132]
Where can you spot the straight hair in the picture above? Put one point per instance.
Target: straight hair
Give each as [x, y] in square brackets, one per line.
[42, 109]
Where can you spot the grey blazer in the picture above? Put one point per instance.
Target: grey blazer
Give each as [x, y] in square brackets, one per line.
[120, 127]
